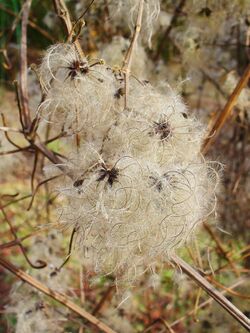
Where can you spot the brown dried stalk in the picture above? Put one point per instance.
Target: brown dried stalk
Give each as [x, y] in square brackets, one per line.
[32, 179]
[62, 11]
[216, 295]
[61, 298]
[70, 248]
[213, 133]
[128, 57]
[48, 153]
[226, 112]
[24, 66]
[105, 297]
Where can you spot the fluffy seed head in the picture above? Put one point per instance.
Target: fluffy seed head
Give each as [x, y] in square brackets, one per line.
[138, 185]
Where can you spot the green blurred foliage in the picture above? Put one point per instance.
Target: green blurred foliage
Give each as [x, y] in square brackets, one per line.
[9, 10]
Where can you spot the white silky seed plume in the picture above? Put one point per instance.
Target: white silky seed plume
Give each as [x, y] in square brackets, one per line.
[138, 185]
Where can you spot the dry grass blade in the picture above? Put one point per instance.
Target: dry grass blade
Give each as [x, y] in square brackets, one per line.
[56, 296]
[226, 112]
[216, 295]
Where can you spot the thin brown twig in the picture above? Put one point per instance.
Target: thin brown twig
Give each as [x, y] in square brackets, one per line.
[19, 103]
[82, 295]
[85, 11]
[61, 135]
[79, 24]
[226, 112]
[214, 82]
[39, 146]
[30, 148]
[41, 264]
[61, 298]
[6, 134]
[15, 201]
[204, 304]
[48, 153]
[7, 195]
[24, 66]
[245, 249]
[21, 239]
[70, 248]
[103, 300]
[52, 156]
[34, 171]
[10, 129]
[177, 12]
[8, 64]
[228, 290]
[63, 13]
[220, 247]
[210, 290]
[30, 23]
[167, 327]
[37, 188]
[128, 57]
